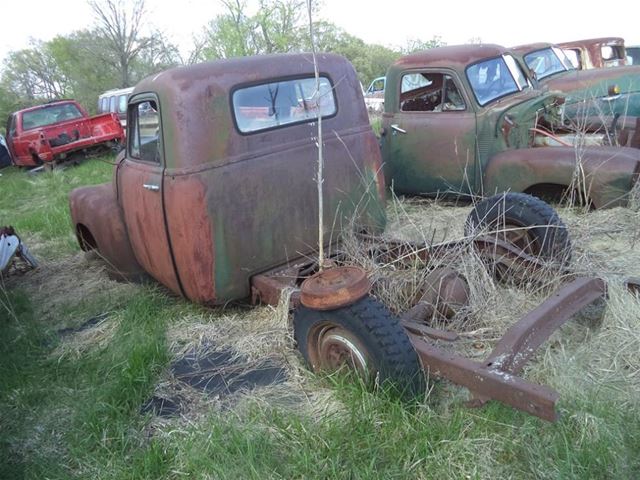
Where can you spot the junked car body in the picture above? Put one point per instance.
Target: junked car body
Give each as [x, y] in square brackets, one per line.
[595, 52]
[374, 95]
[11, 247]
[592, 95]
[53, 131]
[633, 54]
[115, 101]
[218, 202]
[471, 123]
[218, 174]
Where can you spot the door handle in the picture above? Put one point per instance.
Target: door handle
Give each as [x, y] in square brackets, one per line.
[150, 186]
[611, 98]
[396, 128]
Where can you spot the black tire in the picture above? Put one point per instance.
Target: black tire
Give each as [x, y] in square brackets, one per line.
[374, 332]
[544, 233]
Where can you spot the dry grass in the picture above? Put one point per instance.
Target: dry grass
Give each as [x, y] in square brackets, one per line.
[596, 351]
[598, 342]
[72, 280]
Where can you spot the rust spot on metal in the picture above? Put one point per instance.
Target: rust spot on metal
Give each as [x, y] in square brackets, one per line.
[334, 288]
[444, 293]
[435, 333]
[191, 233]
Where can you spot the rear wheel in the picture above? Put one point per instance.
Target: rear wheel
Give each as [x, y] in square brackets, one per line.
[524, 221]
[364, 337]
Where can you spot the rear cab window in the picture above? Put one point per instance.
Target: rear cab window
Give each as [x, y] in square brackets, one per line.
[612, 55]
[278, 103]
[49, 115]
[143, 131]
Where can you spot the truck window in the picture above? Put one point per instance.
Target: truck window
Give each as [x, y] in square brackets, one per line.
[430, 92]
[574, 57]
[144, 131]
[612, 55]
[104, 105]
[275, 104]
[112, 104]
[122, 104]
[49, 115]
[377, 85]
[495, 78]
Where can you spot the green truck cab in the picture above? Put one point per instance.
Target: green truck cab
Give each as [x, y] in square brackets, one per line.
[466, 121]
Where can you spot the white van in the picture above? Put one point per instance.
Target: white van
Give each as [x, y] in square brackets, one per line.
[115, 101]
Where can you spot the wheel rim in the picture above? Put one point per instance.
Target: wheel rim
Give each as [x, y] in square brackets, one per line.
[332, 347]
[520, 236]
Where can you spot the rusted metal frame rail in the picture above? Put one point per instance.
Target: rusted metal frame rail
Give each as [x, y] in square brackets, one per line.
[496, 377]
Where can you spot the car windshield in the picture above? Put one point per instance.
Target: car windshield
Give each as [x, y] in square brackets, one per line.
[495, 78]
[547, 62]
[49, 115]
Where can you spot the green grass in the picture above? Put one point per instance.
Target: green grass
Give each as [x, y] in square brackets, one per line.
[37, 205]
[72, 409]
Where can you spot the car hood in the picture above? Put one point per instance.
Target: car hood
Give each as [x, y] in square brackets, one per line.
[596, 82]
[521, 113]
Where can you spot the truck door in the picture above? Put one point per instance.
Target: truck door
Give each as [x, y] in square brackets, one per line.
[141, 193]
[430, 136]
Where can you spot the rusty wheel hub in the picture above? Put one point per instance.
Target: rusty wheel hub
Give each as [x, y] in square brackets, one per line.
[334, 288]
[520, 237]
[331, 348]
[445, 293]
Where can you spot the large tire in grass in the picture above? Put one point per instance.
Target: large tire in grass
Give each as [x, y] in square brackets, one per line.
[526, 222]
[364, 336]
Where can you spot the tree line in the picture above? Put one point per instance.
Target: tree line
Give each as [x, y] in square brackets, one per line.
[119, 50]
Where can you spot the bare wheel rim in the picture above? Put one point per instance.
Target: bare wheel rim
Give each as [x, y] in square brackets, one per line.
[521, 237]
[332, 347]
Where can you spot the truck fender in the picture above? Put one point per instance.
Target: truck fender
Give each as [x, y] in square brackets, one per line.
[99, 226]
[604, 174]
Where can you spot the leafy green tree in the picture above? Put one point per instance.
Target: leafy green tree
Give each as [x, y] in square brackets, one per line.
[416, 44]
[277, 27]
[35, 72]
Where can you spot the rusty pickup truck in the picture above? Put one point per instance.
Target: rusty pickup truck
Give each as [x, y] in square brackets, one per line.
[52, 132]
[466, 120]
[215, 197]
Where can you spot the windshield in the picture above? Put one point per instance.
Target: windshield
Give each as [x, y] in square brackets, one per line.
[547, 62]
[50, 115]
[495, 78]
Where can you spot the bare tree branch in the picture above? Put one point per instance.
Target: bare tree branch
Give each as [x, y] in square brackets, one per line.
[120, 25]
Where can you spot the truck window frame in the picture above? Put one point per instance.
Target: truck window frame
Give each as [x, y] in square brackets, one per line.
[132, 116]
[444, 74]
[11, 126]
[267, 81]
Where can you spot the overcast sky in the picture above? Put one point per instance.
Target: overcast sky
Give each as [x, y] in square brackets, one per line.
[384, 22]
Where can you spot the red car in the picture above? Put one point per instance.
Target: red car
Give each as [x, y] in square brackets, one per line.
[51, 132]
